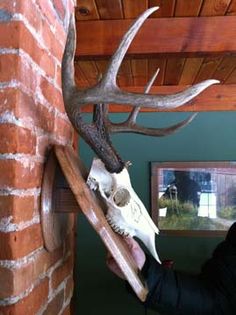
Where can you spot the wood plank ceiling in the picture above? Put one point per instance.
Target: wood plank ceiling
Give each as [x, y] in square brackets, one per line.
[196, 40]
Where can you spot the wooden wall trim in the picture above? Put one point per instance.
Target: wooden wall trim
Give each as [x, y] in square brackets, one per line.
[185, 37]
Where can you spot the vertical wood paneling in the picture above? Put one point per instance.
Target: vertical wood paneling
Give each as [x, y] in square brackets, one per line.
[90, 71]
[125, 76]
[188, 8]
[80, 78]
[111, 9]
[214, 7]
[153, 65]
[174, 68]
[208, 68]
[132, 8]
[225, 68]
[139, 70]
[232, 78]
[101, 66]
[232, 8]
[166, 9]
[190, 70]
[90, 5]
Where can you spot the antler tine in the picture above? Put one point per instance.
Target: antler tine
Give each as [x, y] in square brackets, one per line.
[133, 115]
[67, 66]
[130, 124]
[116, 96]
[155, 132]
[118, 56]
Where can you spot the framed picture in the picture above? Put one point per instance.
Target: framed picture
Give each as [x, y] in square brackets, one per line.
[193, 198]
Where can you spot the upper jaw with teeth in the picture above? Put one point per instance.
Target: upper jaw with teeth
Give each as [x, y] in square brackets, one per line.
[125, 211]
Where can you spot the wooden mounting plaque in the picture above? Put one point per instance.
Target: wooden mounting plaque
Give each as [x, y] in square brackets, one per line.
[71, 167]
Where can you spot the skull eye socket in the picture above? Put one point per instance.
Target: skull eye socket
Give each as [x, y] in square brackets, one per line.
[107, 193]
[121, 197]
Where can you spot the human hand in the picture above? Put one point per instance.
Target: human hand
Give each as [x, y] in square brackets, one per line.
[136, 252]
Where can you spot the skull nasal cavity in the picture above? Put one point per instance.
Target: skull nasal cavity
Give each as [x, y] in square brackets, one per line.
[121, 197]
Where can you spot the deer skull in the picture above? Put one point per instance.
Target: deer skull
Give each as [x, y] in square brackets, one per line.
[125, 211]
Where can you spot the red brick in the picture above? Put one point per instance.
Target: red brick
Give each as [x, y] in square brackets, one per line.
[30, 12]
[9, 67]
[67, 311]
[44, 118]
[47, 11]
[21, 208]
[17, 280]
[10, 34]
[20, 37]
[71, 6]
[45, 144]
[52, 19]
[18, 244]
[46, 260]
[69, 288]
[23, 106]
[34, 15]
[60, 30]
[41, 116]
[27, 8]
[51, 41]
[53, 96]
[63, 129]
[15, 174]
[8, 99]
[6, 283]
[12, 67]
[55, 305]
[15, 245]
[46, 62]
[59, 6]
[31, 303]
[58, 75]
[62, 272]
[10, 6]
[14, 139]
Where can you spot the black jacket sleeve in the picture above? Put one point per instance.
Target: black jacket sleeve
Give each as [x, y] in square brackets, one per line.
[212, 292]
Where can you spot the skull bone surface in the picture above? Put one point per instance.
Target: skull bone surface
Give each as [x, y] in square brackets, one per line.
[125, 211]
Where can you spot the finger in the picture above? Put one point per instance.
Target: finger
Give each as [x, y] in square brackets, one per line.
[131, 243]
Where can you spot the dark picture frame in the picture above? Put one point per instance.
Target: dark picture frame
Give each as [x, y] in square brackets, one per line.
[193, 198]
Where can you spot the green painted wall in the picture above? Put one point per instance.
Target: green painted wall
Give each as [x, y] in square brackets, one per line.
[210, 137]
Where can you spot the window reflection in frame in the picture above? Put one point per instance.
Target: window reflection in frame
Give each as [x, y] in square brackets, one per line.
[193, 198]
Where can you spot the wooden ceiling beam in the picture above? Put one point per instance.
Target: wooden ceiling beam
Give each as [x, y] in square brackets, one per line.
[216, 98]
[182, 37]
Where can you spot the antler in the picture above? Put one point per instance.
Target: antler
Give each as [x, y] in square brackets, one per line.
[106, 91]
[130, 124]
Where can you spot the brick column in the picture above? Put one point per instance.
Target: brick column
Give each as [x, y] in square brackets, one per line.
[32, 118]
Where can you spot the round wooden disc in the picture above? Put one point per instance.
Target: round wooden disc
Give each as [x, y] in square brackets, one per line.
[54, 225]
